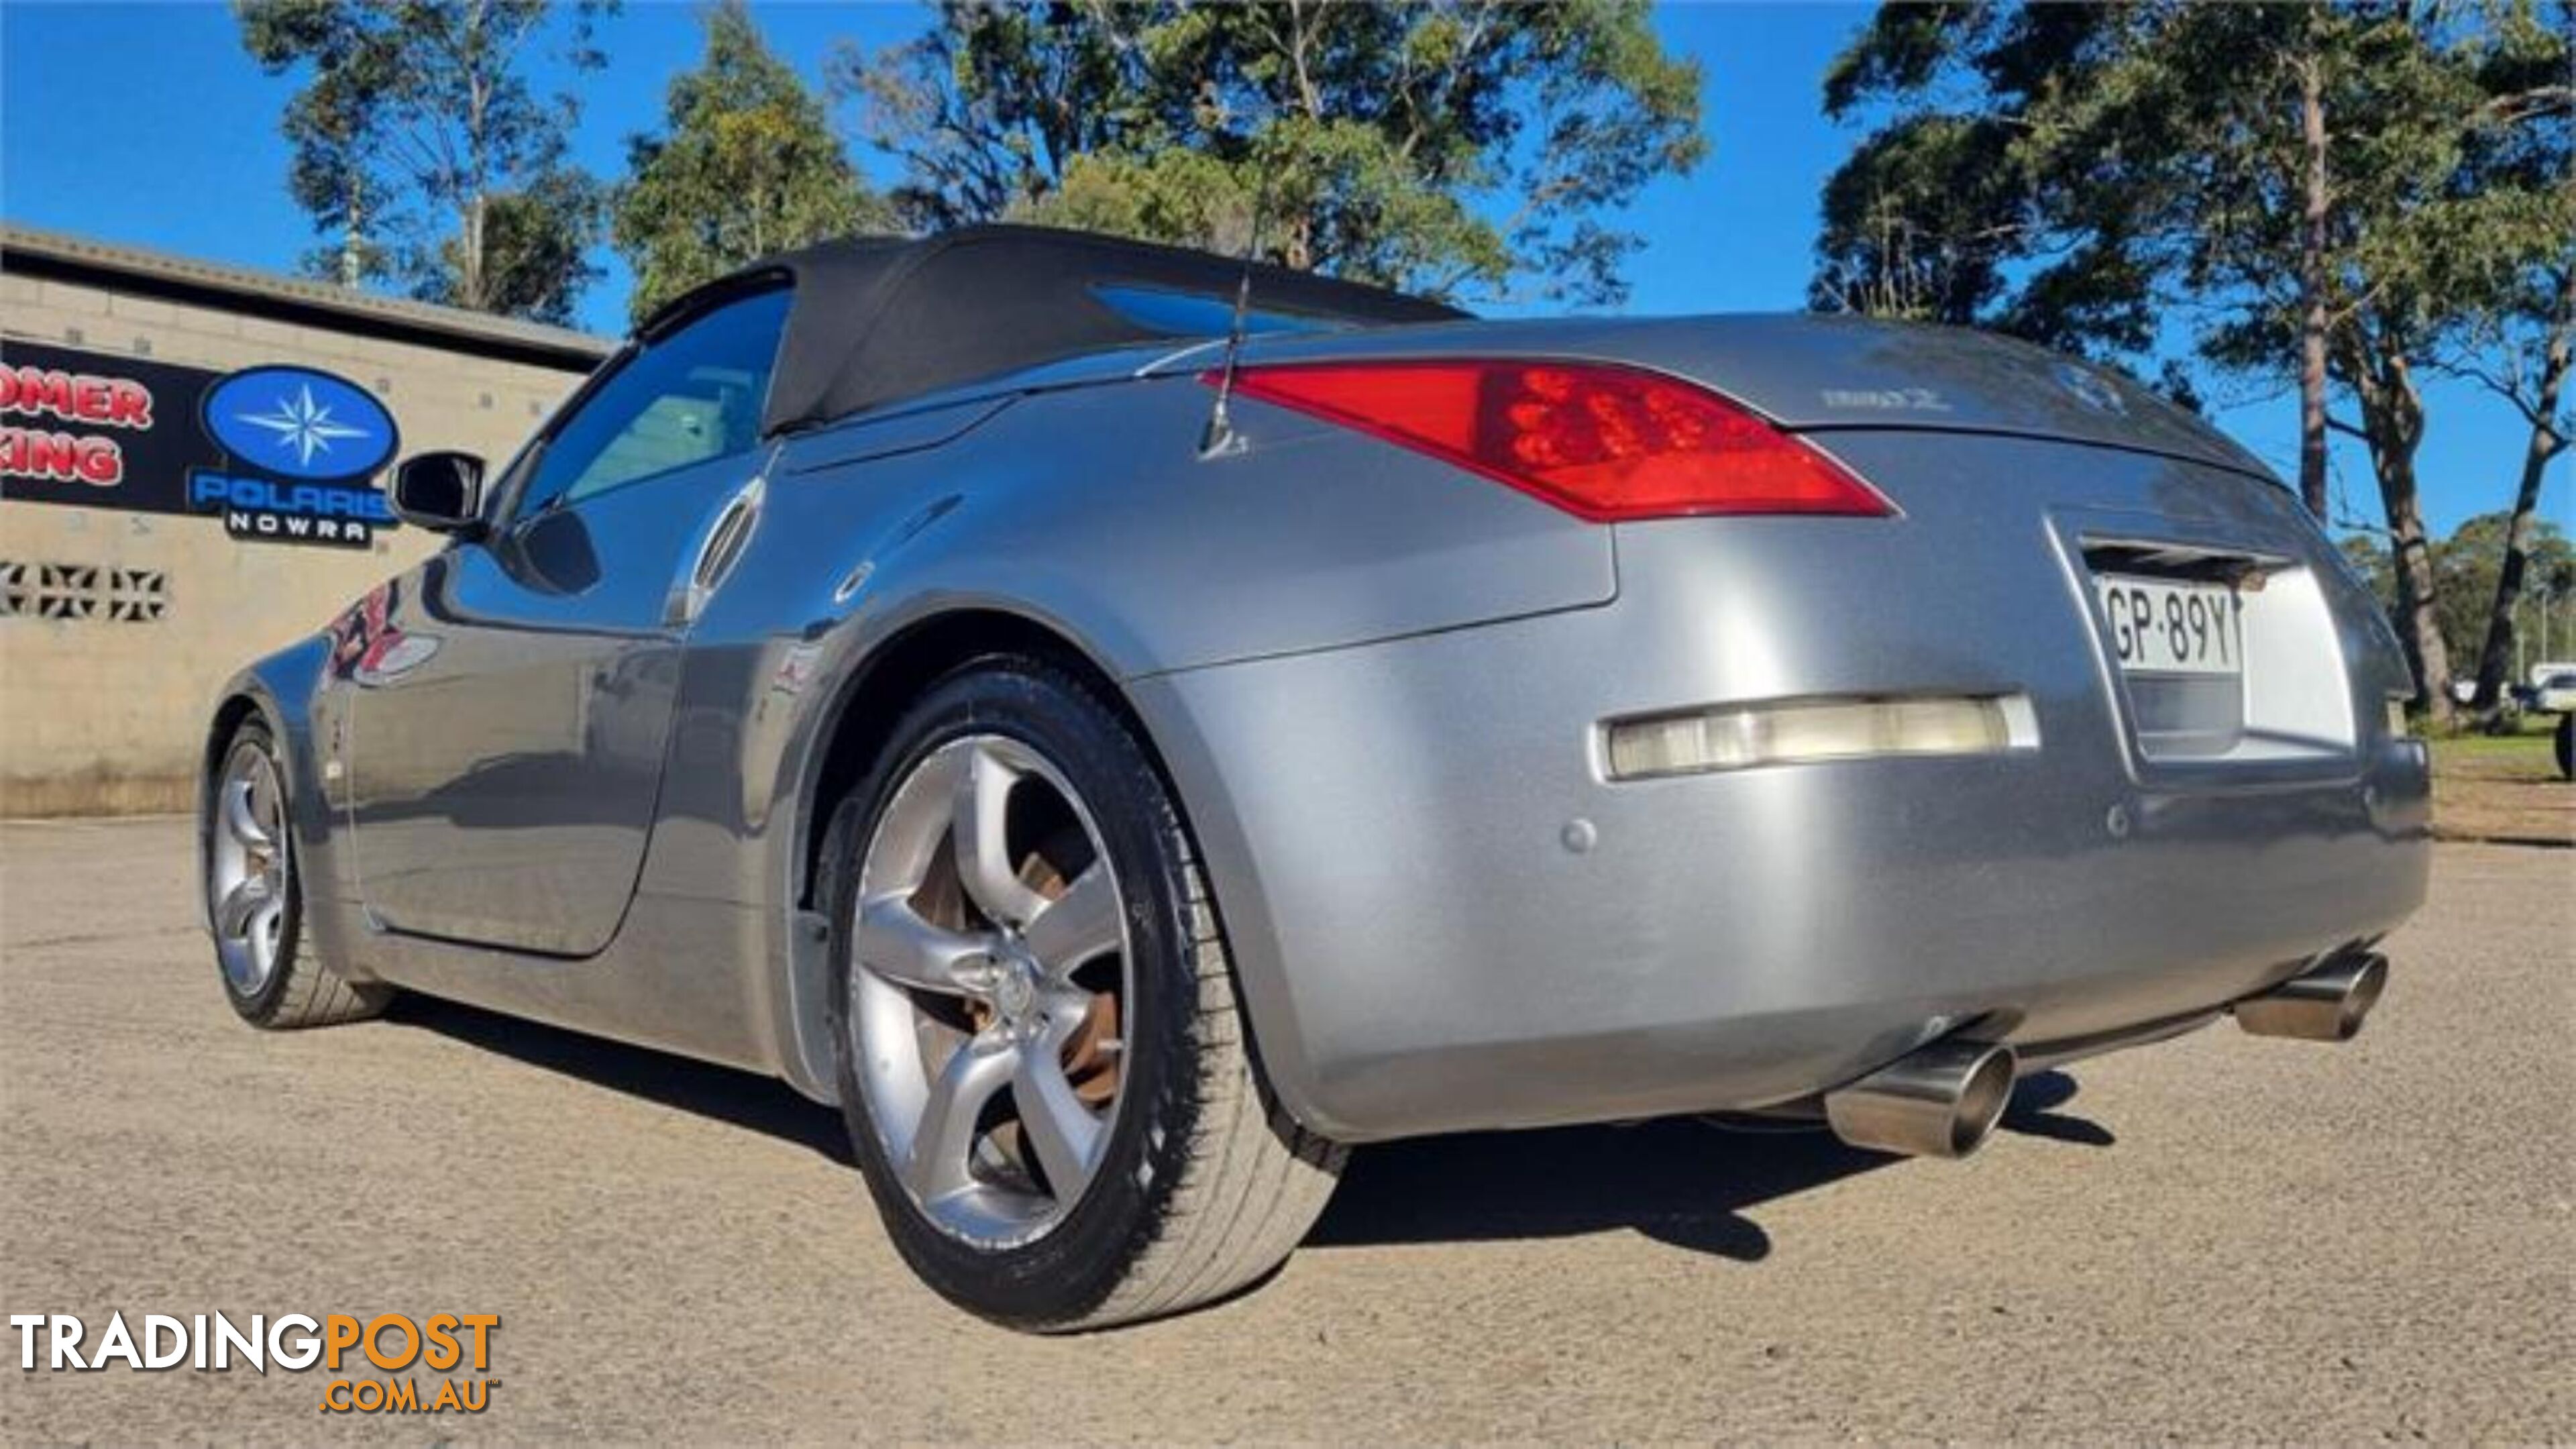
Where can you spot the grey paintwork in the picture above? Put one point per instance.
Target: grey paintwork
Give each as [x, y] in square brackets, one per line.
[502, 789]
[1378, 685]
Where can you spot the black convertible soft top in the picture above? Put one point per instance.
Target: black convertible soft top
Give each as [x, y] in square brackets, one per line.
[876, 319]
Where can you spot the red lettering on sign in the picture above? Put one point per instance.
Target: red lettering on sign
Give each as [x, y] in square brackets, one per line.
[60, 457]
[76, 397]
[129, 404]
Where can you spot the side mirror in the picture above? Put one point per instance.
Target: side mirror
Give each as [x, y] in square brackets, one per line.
[442, 492]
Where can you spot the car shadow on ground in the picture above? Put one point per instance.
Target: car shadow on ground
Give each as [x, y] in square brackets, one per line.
[1679, 1181]
[742, 1099]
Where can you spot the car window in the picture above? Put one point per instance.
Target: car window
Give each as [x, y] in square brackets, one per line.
[1194, 314]
[690, 397]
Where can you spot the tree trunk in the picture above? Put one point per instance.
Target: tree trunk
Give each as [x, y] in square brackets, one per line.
[2312, 290]
[353, 238]
[2419, 623]
[2545, 443]
[469, 260]
[472, 278]
[2393, 418]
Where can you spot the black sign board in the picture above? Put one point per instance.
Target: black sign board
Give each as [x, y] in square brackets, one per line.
[279, 454]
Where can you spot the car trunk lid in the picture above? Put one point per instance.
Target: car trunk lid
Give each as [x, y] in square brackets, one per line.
[1818, 374]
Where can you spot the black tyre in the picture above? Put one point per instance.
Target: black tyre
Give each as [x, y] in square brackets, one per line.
[1043, 1061]
[255, 898]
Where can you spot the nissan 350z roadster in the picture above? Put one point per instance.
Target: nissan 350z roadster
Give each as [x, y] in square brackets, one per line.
[1126, 727]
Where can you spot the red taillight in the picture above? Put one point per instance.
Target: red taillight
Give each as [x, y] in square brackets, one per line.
[1600, 441]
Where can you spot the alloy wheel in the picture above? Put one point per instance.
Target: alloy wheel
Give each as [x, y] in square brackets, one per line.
[247, 869]
[992, 982]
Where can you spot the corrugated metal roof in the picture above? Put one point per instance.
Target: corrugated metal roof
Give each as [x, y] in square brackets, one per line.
[34, 250]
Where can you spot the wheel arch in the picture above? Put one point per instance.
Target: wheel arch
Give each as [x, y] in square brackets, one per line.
[896, 671]
[237, 704]
[850, 726]
[261, 692]
[853, 728]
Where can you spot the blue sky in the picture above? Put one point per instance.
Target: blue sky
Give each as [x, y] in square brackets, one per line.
[147, 124]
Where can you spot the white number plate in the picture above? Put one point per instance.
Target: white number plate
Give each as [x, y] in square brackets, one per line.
[2161, 626]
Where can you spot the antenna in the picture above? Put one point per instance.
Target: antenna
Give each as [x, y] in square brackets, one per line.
[1219, 437]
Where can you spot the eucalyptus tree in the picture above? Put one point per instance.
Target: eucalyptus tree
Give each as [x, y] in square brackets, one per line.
[2315, 193]
[1450, 147]
[747, 165]
[419, 137]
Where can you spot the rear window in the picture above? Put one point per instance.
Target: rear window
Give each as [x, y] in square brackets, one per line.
[1200, 314]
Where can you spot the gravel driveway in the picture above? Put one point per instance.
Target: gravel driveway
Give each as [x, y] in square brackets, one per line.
[2222, 1237]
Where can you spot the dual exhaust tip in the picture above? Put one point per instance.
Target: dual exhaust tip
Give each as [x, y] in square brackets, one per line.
[1943, 1100]
[1939, 1101]
[2327, 1004]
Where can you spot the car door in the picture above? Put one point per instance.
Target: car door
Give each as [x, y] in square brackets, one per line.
[513, 701]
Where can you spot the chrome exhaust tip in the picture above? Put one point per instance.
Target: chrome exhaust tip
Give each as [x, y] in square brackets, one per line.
[1941, 1101]
[2327, 1004]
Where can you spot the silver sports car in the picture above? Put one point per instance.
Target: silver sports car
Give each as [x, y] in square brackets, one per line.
[1126, 727]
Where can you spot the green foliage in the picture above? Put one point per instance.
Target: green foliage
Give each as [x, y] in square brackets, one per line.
[334, 128]
[1386, 138]
[748, 166]
[535, 250]
[2327, 195]
[2466, 565]
[1944, 213]
[2424, 227]
[418, 140]
[2077, 173]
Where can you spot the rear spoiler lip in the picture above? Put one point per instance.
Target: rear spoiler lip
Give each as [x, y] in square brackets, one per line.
[1825, 431]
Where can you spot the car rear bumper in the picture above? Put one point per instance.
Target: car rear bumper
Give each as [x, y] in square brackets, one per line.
[1446, 916]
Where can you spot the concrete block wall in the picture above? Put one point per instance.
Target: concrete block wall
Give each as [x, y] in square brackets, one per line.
[108, 716]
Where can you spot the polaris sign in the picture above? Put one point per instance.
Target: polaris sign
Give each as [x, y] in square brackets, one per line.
[290, 512]
[314, 437]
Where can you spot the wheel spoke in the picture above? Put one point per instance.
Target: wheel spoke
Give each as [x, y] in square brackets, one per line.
[1080, 924]
[981, 826]
[1067, 1137]
[263, 940]
[945, 1137]
[242, 816]
[896, 943]
[234, 913]
[272, 803]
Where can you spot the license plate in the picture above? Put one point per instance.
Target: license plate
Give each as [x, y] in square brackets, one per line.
[2163, 626]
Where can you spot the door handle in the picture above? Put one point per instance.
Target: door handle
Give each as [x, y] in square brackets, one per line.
[719, 548]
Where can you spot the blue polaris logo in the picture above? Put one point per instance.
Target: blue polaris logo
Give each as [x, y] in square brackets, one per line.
[295, 422]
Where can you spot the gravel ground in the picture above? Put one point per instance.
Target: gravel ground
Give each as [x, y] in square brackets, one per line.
[2218, 1238]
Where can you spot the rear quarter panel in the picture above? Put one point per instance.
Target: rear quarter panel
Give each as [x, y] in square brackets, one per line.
[1087, 511]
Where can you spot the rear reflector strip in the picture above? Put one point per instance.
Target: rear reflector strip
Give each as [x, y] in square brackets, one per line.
[1741, 737]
